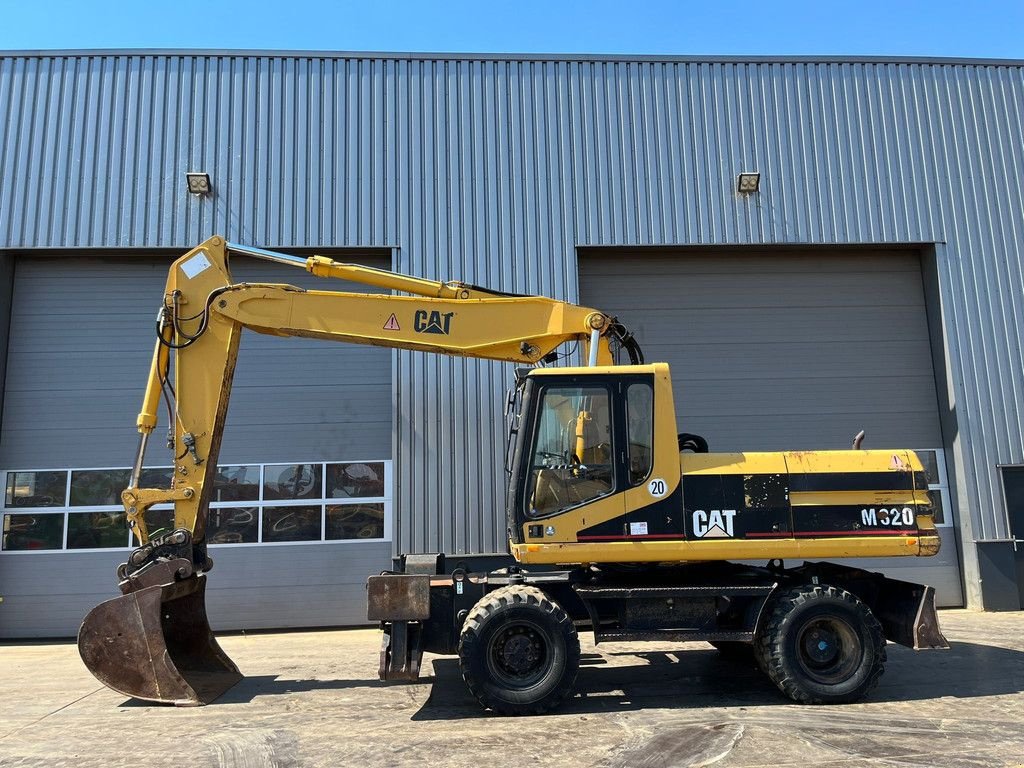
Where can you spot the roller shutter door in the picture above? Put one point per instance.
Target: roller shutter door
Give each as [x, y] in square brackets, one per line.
[81, 339]
[794, 350]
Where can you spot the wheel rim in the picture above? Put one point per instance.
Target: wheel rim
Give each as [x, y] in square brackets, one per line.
[518, 654]
[829, 650]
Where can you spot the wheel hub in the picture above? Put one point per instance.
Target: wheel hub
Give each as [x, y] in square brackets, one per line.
[828, 650]
[821, 645]
[518, 654]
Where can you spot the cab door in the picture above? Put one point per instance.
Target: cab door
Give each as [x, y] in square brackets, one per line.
[652, 495]
[571, 466]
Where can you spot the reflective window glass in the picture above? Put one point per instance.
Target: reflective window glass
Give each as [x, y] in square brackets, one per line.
[237, 483]
[931, 466]
[42, 531]
[355, 521]
[571, 459]
[292, 481]
[937, 511]
[97, 487]
[292, 523]
[159, 521]
[233, 525]
[96, 530]
[640, 425]
[355, 480]
[36, 489]
[156, 477]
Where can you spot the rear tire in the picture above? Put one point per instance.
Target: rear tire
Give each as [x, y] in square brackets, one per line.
[821, 645]
[519, 652]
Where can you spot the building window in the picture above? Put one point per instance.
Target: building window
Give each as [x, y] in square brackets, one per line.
[36, 489]
[33, 532]
[355, 521]
[233, 525]
[251, 504]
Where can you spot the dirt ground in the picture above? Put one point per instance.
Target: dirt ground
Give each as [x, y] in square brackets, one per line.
[313, 699]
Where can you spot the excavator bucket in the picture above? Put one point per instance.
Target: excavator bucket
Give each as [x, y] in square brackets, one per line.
[155, 643]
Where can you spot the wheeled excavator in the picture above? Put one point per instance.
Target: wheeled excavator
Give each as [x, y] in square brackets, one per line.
[616, 523]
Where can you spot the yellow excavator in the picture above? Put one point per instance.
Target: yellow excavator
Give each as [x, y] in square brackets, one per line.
[616, 522]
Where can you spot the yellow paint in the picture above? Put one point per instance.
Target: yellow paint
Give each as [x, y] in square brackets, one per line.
[723, 549]
[569, 523]
[468, 322]
[802, 462]
[475, 323]
[665, 466]
[865, 498]
[752, 463]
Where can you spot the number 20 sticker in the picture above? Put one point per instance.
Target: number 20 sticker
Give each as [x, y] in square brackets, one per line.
[657, 488]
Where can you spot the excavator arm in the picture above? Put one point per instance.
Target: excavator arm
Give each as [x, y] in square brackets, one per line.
[204, 312]
[154, 642]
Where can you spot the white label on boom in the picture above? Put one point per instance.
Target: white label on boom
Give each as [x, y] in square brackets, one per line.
[196, 265]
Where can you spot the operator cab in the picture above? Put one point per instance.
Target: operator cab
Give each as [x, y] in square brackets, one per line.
[583, 439]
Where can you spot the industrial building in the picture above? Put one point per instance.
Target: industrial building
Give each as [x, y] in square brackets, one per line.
[816, 246]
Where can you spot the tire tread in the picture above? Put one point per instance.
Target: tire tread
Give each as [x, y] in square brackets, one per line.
[492, 602]
[768, 645]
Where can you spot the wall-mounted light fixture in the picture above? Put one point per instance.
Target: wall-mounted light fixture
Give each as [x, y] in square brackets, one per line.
[198, 182]
[748, 182]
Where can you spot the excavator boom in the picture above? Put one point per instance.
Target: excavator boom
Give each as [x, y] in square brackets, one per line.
[154, 641]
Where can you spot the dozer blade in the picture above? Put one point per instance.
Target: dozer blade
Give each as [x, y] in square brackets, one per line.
[155, 644]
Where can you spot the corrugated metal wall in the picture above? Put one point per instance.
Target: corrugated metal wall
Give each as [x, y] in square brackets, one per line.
[495, 170]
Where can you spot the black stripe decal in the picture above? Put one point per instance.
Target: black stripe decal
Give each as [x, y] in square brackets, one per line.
[852, 481]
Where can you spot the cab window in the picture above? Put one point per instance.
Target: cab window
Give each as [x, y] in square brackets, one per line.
[640, 426]
[571, 458]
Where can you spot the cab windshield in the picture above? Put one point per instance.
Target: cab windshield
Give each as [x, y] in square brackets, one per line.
[571, 458]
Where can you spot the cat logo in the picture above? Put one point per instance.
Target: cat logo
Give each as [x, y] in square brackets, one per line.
[714, 524]
[432, 322]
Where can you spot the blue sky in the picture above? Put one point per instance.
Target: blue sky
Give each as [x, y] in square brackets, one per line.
[726, 27]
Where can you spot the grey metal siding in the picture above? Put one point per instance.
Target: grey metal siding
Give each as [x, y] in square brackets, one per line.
[302, 585]
[6, 292]
[496, 170]
[304, 399]
[775, 349]
[778, 350]
[82, 336]
[81, 340]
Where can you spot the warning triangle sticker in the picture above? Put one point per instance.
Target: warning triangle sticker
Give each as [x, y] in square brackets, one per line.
[392, 324]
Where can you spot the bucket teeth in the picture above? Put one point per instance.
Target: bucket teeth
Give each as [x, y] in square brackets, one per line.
[155, 644]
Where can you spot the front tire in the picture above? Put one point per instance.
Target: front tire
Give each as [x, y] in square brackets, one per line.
[821, 645]
[519, 652]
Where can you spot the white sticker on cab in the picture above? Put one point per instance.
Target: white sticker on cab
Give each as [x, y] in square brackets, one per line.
[196, 265]
[657, 487]
[638, 529]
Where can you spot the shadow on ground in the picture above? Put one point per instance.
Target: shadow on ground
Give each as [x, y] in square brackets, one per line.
[683, 680]
[253, 686]
[703, 678]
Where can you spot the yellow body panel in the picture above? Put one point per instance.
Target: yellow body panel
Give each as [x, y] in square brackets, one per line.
[563, 544]
[718, 549]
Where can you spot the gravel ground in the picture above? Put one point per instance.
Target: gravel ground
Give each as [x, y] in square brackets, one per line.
[313, 699]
